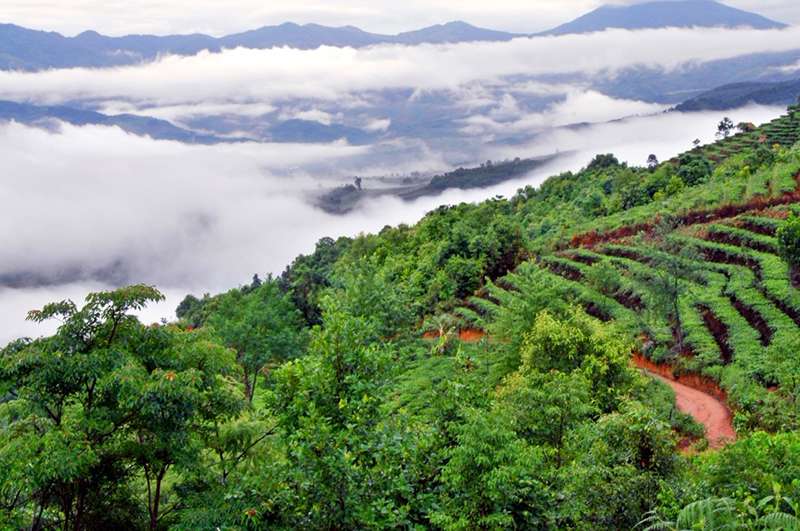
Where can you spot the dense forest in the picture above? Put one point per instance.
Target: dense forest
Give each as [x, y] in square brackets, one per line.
[473, 371]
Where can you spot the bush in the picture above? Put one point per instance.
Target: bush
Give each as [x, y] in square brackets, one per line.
[789, 240]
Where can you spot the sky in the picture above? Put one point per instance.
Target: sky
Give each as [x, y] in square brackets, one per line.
[215, 17]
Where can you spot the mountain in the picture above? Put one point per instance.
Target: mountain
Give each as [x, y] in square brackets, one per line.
[738, 94]
[308, 36]
[664, 14]
[453, 32]
[27, 49]
[139, 125]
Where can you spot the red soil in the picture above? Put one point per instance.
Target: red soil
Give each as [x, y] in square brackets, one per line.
[467, 335]
[471, 335]
[699, 397]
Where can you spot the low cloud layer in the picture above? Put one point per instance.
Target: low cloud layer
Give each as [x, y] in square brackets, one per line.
[248, 76]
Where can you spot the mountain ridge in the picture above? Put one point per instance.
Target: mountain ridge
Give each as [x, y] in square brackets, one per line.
[30, 50]
[664, 13]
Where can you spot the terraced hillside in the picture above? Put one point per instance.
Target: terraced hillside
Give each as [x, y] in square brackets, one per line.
[783, 131]
[702, 290]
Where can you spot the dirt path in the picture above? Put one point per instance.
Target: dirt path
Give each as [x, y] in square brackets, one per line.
[706, 409]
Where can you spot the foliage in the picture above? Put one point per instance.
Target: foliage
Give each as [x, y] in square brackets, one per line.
[788, 235]
[106, 408]
[261, 325]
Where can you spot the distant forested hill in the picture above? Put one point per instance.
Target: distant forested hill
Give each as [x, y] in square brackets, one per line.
[739, 94]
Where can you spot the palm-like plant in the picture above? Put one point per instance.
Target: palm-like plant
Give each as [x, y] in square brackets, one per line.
[716, 514]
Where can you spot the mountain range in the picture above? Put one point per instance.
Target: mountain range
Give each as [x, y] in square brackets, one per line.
[27, 49]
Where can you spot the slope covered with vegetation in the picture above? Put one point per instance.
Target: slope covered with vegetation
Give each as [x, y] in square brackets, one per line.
[342, 395]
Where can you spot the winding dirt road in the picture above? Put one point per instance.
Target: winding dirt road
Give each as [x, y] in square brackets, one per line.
[706, 409]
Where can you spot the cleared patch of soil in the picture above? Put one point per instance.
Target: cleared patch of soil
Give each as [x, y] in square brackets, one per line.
[699, 397]
[466, 335]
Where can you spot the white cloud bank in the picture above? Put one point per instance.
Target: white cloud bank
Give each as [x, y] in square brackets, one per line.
[265, 76]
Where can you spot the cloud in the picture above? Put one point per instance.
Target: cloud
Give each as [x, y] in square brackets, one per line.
[578, 107]
[379, 125]
[271, 76]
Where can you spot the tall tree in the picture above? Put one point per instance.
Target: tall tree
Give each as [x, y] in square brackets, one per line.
[262, 326]
[106, 401]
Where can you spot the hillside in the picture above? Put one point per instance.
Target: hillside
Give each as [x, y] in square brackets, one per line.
[665, 14]
[740, 94]
[477, 370]
[346, 198]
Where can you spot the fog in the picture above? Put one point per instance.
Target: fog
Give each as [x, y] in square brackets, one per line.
[85, 204]
[247, 76]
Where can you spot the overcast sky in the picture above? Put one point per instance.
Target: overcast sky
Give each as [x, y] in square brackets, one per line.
[217, 17]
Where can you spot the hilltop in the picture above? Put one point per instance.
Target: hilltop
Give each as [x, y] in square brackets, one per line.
[665, 14]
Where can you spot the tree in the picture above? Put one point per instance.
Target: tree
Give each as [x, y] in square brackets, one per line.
[327, 404]
[694, 169]
[674, 266]
[745, 127]
[104, 400]
[490, 475]
[546, 406]
[262, 326]
[788, 236]
[652, 162]
[724, 128]
[576, 342]
[602, 162]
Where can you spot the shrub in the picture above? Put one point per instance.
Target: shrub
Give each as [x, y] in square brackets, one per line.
[789, 240]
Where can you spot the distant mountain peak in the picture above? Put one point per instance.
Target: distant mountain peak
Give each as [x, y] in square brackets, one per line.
[664, 14]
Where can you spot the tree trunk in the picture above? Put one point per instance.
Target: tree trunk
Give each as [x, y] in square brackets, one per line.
[248, 392]
[253, 387]
[156, 502]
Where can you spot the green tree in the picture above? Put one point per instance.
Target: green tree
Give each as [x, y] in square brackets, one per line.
[724, 128]
[674, 266]
[788, 235]
[547, 406]
[262, 326]
[579, 343]
[105, 408]
[327, 407]
[492, 478]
